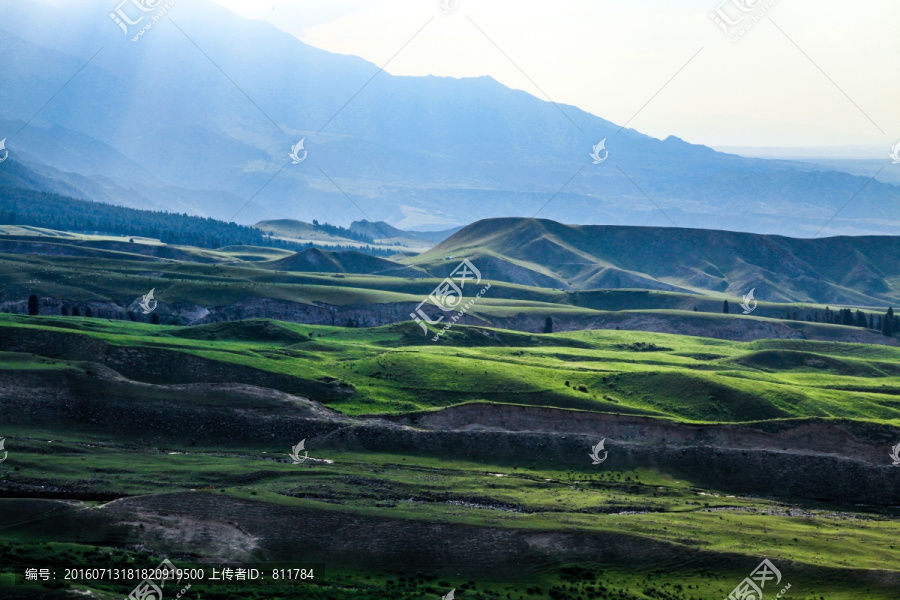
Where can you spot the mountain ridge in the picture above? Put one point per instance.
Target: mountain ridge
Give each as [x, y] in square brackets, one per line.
[862, 270]
[409, 151]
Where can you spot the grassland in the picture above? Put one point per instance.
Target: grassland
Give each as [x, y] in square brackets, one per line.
[821, 550]
[704, 261]
[702, 540]
[229, 282]
[396, 369]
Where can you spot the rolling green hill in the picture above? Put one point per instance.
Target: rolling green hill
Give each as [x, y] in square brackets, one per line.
[316, 260]
[128, 443]
[838, 270]
[394, 369]
[197, 285]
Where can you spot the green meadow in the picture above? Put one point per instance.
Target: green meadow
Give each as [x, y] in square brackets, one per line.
[821, 547]
[398, 369]
[712, 534]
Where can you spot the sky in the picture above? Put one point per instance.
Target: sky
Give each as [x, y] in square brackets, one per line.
[807, 77]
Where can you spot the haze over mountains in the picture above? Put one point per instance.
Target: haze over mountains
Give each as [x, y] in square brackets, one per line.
[155, 124]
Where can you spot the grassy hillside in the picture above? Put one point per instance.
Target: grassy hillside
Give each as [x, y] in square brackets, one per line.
[433, 465]
[315, 260]
[195, 285]
[187, 429]
[395, 369]
[844, 270]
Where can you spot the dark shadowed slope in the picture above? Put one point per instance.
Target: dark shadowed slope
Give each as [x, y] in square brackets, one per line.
[315, 260]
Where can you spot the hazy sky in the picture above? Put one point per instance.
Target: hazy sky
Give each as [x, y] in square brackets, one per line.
[828, 77]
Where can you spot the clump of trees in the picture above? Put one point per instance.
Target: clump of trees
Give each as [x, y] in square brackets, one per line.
[52, 211]
[888, 324]
[338, 231]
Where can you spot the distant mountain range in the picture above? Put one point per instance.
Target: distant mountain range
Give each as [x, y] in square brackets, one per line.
[378, 234]
[861, 270]
[156, 124]
[851, 270]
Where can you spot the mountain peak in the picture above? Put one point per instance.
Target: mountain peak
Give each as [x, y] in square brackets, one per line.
[414, 150]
